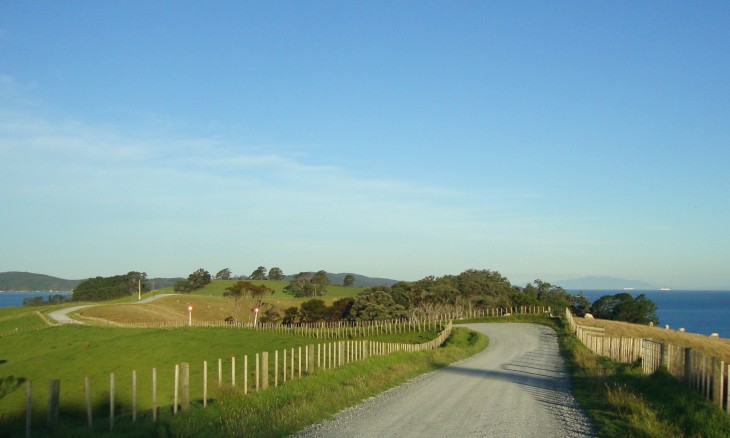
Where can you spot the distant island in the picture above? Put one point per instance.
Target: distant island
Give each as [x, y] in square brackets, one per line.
[29, 282]
[609, 283]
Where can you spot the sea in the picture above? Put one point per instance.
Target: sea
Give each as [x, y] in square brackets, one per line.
[13, 299]
[697, 311]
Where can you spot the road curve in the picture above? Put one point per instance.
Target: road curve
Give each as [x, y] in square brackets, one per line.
[61, 315]
[517, 387]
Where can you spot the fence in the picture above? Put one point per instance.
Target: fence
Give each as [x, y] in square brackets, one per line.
[255, 375]
[339, 329]
[702, 373]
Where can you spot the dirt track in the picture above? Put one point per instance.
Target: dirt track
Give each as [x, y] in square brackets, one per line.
[518, 387]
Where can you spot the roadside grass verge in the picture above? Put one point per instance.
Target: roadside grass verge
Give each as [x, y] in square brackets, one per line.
[284, 410]
[622, 401]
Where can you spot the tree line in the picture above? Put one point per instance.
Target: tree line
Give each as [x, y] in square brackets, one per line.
[430, 296]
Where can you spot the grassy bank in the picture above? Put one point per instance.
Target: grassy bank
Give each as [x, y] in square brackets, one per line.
[622, 401]
[288, 408]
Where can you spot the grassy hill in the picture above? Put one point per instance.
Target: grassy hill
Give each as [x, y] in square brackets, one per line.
[27, 281]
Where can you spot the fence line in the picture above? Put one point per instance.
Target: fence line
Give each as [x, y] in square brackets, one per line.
[338, 329]
[702, 373]
[301, 362]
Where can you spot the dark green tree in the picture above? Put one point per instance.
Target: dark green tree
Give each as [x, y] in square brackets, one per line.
[291, 315]
[623, 307]
[340, 309]
[320, 281]
[313, 310]
[376, 305]
[276, 274]
[199, 279]
[104, 288]
[258, 274]
[223, 274]
[349, 280]
[137, 281]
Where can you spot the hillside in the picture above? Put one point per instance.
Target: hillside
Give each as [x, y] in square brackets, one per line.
[27, 281]
[361, 280]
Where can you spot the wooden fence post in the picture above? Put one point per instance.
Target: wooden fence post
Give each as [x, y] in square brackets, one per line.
[28, 407]
[154, 395]
[87, 393]
[264, 370]
[233, 371]
[185, 386]
[134, 395]
[177, 385]
[205, 383]
[111, 402]
[257, 372]
[300, 361]
[717, 381]
[688, 367]
[245, 374]
[276, 368]
[54, 394]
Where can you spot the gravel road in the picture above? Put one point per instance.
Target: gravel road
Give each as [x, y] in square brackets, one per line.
[517, 387]
[61, 315]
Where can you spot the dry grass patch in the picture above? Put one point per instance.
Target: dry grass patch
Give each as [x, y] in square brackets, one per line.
[172, 308]
[704, 344]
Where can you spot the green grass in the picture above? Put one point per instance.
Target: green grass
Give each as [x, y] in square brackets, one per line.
[70, 353]
[622, 401]
[284, 410]
[16, 322]
[218, 287]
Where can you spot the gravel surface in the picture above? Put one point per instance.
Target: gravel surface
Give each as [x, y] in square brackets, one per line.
[61, 315]
[517, 387]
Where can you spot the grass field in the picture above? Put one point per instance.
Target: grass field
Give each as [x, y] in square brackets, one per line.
[208, 303]
[284, 410]
[71, 352]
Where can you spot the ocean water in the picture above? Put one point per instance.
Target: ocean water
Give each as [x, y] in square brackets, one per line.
[13, 299]
[697, 311]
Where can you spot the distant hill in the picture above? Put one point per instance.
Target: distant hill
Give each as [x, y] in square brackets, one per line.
[361, 280]
[161, 283]
[27, 281]
[593, 283]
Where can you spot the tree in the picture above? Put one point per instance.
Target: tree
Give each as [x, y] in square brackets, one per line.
[137, 281]
[623, 307]
[103, 288]
[320, 282]
[239, 291]
[276, 274]
[291, 315]
[223, 274]
[306, 284]
[349, 280]
[340, 309]
[313, 310]
[258, 274]
[182, 287]
[199, 279]
[375, 305]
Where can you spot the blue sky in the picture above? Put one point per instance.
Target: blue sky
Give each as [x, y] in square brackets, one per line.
[548, 140]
